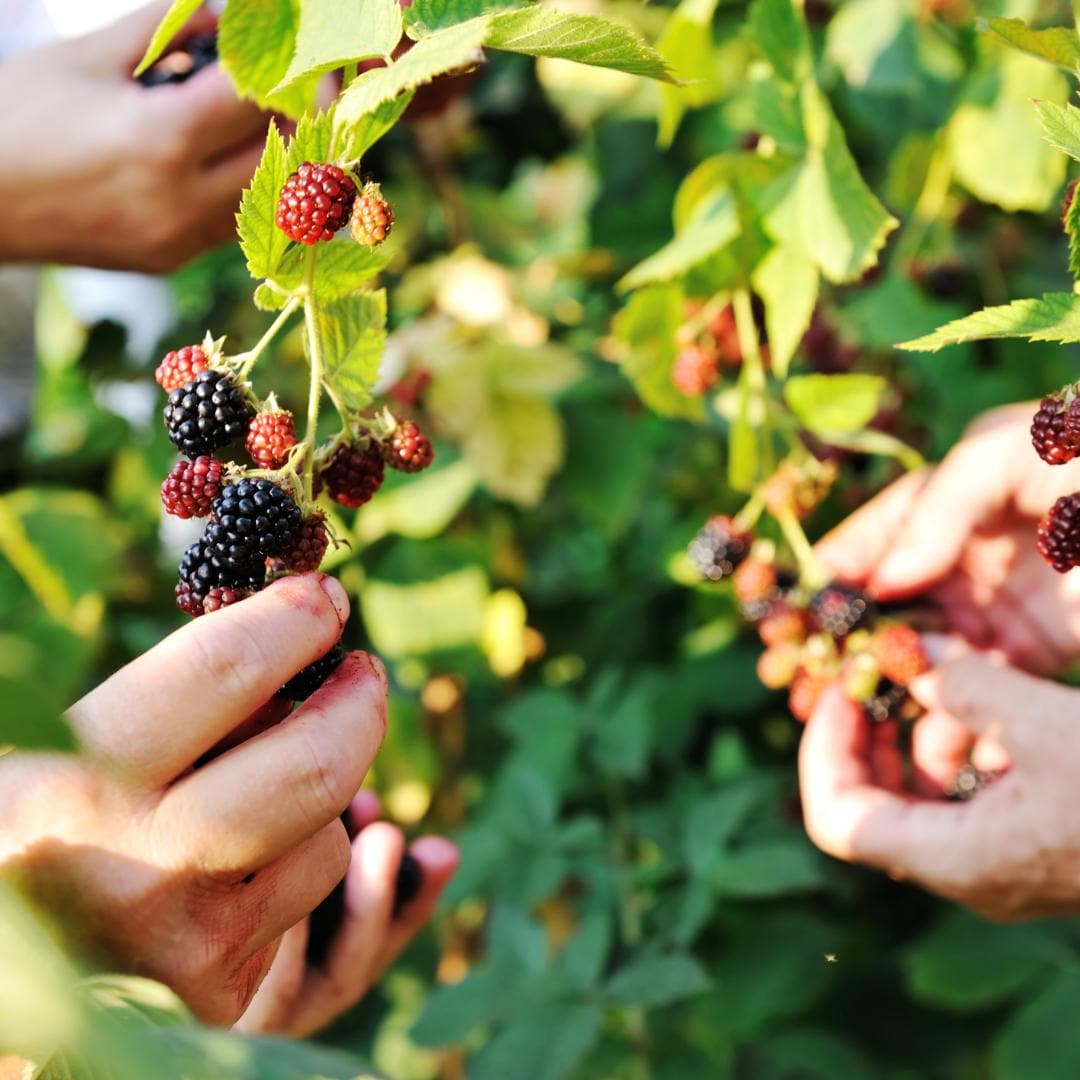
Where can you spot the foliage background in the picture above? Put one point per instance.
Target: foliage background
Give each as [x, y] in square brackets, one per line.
[637, 897]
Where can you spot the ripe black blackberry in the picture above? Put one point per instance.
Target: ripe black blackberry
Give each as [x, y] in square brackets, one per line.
[315, 202]
[191, 487]
[839, 609]
[353, 474]
[968, 782]
[201, 573]
[207, 413]
[303, 684]
[1058, 536]
[407, 884]
[252, 519]
[1049, 434]
[407, 449]
[719, 547]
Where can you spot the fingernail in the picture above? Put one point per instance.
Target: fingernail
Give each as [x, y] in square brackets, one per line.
[338, 597]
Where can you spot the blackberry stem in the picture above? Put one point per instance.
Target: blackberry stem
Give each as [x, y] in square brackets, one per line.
[251, 357]
[754, 371]
[811, 572]
[315, 386]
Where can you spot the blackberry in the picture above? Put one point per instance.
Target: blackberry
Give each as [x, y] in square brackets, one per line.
[191, 487]
[891, 701]
[302, 685]
[1049, 435]
[207, 413]
[838, 609]
[270, 437]
[353, 474]
[407, 449]
[314, 203]
[252, 519]
[1058, 537]
[372, 217]
[306, 552]
[782, 625]
[180, 367]
[718, 548]
[201, 573]
[323, 925]
[223, 596]
[695, 370]
[407, 884]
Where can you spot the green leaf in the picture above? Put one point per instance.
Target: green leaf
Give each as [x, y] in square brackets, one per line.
[1052, 317]
[358, 137]
[424, 17]
[332, 35]
[311, 140]
[1058, 44]
[342, 267]
[712, 225]
[768, 869]
[445, 50]
[421, 508]
[1072, 227]
[809, 1054]
[686, 45]
[529, 1049]
[1041, 1040]
[262, 242]
[966, 963]
[585, 39]
[787, 282]
[179, 12]
[656, 979]
[267, 298]
[1060, 126]
[871, 42]
[780, 33]
[452, 1013]
[352, 336]
[834, 403]
[997, 148]
[256, 41]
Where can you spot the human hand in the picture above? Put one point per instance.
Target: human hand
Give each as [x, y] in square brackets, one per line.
[297, 998]
[1011, 852]
[963, 533]
[96, 170]
[189, 870]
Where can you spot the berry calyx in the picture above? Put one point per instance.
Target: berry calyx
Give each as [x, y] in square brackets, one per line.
[899, 652]
[180, 367]
[838, 609]
[306, 552]
[315, 202]
[695, 370]
[353, 474]
[407, 449]
[206, 414]
[303, 684]
[1049, 435]
[252, 519]
[270, 437]
[1058, 536]
[719, 547]
[191, 487]
[372, 217]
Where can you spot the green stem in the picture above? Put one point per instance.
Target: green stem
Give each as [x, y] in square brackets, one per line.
[748, 516]
[754, 367]
[251, 357]
[315, 360]
[811, 572]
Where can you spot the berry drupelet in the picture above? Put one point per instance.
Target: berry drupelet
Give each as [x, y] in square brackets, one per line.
[315, 202]
[252, 519]
[353, 474]
[207, 413]
[303, 684]
[718, 548]
[179, 367]
[1058, 537]
[270, 437]
[191, 487]
[407, 448]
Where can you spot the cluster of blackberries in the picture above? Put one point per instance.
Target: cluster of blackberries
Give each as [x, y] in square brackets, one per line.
[813, 638]
[704, 348]
[1055, 434]
[319, 199]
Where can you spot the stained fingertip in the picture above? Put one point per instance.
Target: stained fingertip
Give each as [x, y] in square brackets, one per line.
[364, 809]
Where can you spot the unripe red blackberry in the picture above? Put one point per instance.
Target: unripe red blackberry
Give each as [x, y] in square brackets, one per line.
[207, 413]
[783, 624]
[838, 609]
[270, 437]
[756, 587]
[719, 547]
[407, 883]
[180, 367]
[1070, 422]
[695, 370]
[306, 552]
[303, 684]
[407, 448]
[191, 487]
[899, 652]
[803, 695]
[372, 217]
[223, 596]
[353, 474]
[315, 202]
[201, 573]
[252, 519]
[1049, 436]
[777, 665]
[1058, 537]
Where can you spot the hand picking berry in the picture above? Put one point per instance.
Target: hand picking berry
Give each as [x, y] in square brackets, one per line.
[252, 519]
[303, 684]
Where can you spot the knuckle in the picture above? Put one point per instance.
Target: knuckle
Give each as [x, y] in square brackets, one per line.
[235, 662]
[324, 784]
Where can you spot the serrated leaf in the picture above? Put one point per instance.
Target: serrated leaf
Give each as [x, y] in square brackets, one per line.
[1060, 126]
[445, 50]
[172, 21]
[1052, 317]
[311, 141]
[256, 41]
[687, 47]
[262, 242]
[657, 979]
[768, 869]
[452, 1012]
[424, 17]
[1058, 44]
[787, 282]
[1072, 228]
[585, 39]
[267, 298]
[342, 267]
[834, 403]
[332, 34]
[352, 336]
[779, 31]
[357, 138]
[713, 224]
